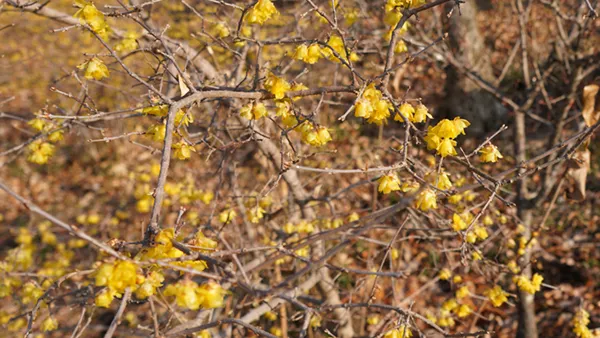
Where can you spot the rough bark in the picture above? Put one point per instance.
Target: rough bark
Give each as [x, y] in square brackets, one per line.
[464, 97]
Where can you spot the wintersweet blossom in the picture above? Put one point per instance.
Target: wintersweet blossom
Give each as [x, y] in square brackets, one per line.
[388, 183]
[94, 69]
[497, 296]
[262, 11]
[489, 153]
[426, 200]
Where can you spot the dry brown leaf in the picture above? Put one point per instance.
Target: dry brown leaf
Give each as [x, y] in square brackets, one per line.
[591, 110]
[579, 174]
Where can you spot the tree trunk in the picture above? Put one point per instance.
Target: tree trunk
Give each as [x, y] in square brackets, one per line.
[464, 97]
[527, 324]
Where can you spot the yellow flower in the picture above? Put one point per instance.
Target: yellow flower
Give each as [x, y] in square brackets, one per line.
[262, 11]
[40, 152]
[353, 217]
[529, 286]
[421, 114]
[400, 47]
[471, 238]
[314, 53]
[315, 137]
[461, 124]
[227, 216]
[94, 69]
[148, 288]
[580, 324]
[450, 305]
[277, 86]
[443, 181]
[373, 320]
[254, 111]
[270, 315]
[182, 150]
[445, 274]
[407, 110]
[186, 294]
[381, 111]
[463, 311]
[276, 331]
[37, 124]
[363, 109]
[212, 294]
[446, 147]
[487, 220]
[56, 136]
[426, 200]
[104, 298]
[337, 44]
[497, 296]
[128, 43]
[450, 129]
[157, 132]
[300, 53]
[388, 183]
[476, 256]
[480, 232]
[222, 30]
[158, 110]
[462, 292]
[183, 119]
[49, 324]
[401, 332]
[489, 153]
[90, 15]
[255, 214]
[432, 139]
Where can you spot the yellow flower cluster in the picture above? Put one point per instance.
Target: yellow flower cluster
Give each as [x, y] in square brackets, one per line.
[412, 114]
[189, 294]
[227, 216]
[148, 287]
[49, 324]
[337, 44]
[90, 15]
[426, 200]
[44, 126]
[529, 286]
[316, 137]
[372, 107]
[303, 227]
[490, 153]
[262, 11]
[116, 277]
[441, 181]
[497, 296]
[254, 111]
[284, 111]
[441, 137]
[128, 43]
[39, 152]
[202, 243]
[94, 69]
[182, 150]
[580, 324]
[400, 332]
[162, 248]
[277, 86]
[388, 183]
[221, 30]
[445, 274]
[308, 54]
